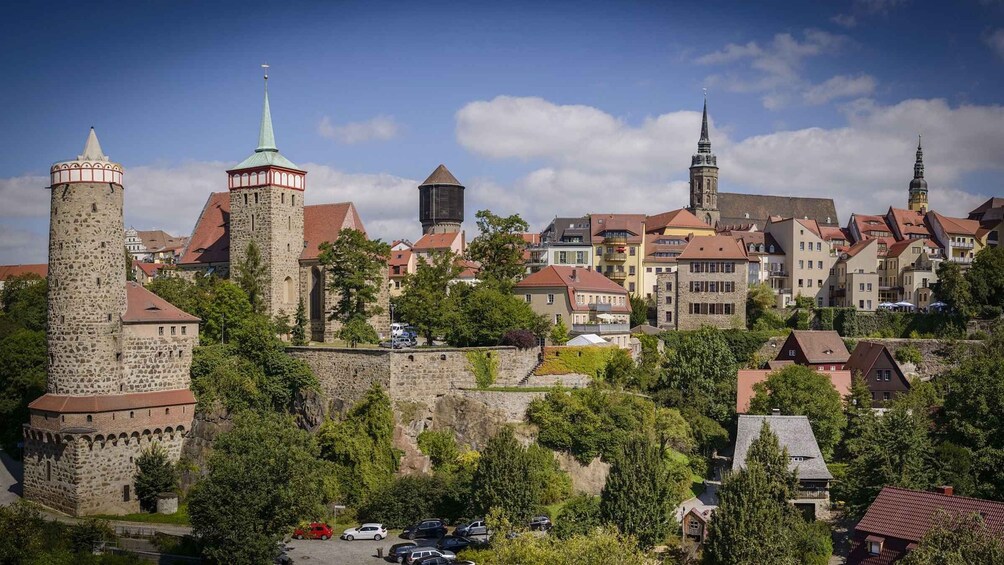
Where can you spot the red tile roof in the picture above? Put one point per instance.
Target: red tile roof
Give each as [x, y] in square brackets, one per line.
[323, 222]
[830, 233]
[841, 381]
[633, 224]
[149, 269]
[7, 271]
[434, 241]
[908, 222]
[820, 346]
[713, 247]
[681, 218]
[575, 280]
[810, 225]
[109, 403]
[399, 258]
[143, 307]
[957, 226]
[897, 249]
[908, 514]
[859, 247]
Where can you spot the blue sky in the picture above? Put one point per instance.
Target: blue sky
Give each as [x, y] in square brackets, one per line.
[540, 108]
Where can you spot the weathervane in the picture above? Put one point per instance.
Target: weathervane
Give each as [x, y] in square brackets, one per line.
[265, 67]
[705, 92]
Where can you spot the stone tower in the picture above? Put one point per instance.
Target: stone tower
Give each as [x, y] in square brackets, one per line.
[119, 356]
[266, 207]
[704, 177]
[918, 186]
[441, 202]
[87, 294]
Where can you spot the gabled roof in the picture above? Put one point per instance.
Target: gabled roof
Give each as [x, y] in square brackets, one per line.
[681, 218]
[981, 210]
[400, 258]
[793, 433]
[897, 249]
[574, 280]
[821, 346]
[149, 269]
[746, 378]
[907, 223]
[7, 271]
[434, 241]
[738, 208]
[908, 514]
[633, 224]
[859, 247]
[441, 175]
[143, 306]
[866, 354]
[713, 247]
[830, 233]
[323, 222]
[957, 226]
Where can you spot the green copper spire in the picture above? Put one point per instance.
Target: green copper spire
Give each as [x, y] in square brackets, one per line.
[266, 139]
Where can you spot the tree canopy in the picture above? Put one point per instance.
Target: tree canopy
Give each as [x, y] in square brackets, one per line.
[501, 481]
[957, 539]
[424, 300]
[499, 247]
[355, 266]
[802, 391]
[701, 373]
[250, 275]
[640, 494]
[483, 314]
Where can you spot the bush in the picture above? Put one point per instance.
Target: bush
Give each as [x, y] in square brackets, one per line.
[520, 339]
[816, 543]
[406, 500]
[439, 446]
[154, 475]
[909, 354]
[585, 360]
[579, 516]
[484, 366]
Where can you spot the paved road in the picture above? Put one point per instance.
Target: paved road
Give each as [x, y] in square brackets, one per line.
[10, 479]
[341, 552]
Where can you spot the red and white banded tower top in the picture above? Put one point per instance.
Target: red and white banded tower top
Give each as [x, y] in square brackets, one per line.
[91, 166]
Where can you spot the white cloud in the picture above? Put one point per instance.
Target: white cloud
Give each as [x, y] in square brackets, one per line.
[840, 86]
[844, 20]
[24, 196]
[995, 40]
[18, 246]
[592, 161]
[774, 69]
[379, 128]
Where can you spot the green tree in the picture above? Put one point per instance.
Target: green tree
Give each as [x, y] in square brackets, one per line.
[299, 331]
[500, 482]
[361, 446]
[601, 546]
[986, 277]
[759, 300]
[639, 495]
[227, 307]
[154, 475]
[22, 380]
[24, 301]
[263, 479]
[579, 516]
[440, 446]
[766, 451]
[801, 391]
[559, 333]
[424, 301]
[639, 310]
[499, 247]
[250, 274]
[857, 411]
[355, 266]
[957, 539]
[701, 373]
[952, 288]
[130, 275]
[357, 330]
[484, 314]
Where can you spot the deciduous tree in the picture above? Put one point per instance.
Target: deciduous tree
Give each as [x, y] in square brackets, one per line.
[483, 314]
[249, 274]
[802, 391]
[424, 301]
[355, 266]
[154, 475]
[952, 288]
[499, 247]
[701, 373]
[639, 310]
[500, 482]
[957, 539]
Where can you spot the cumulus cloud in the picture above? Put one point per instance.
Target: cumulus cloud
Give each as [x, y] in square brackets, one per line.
[22, 246]
[995, 40]
[591, 161]
[379, 128]
[840, 86]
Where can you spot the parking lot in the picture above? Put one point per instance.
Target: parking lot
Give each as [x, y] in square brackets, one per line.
[341, 552]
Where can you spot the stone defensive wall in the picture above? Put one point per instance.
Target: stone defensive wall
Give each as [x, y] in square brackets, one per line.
[413, 375]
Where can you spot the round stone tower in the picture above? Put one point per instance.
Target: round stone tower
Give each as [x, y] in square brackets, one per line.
[441, 202]
[87, 295]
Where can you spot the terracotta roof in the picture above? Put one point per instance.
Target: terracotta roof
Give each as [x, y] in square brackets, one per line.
[399, 258]
[897, 249]
[159, 240]
[7, 271]
[908, 222]
[584, 280]
[738, 208]
[633, 224]
[810, 225]
[143, 306]
[908, 514]
[149, 269]
[821, 346]
[713, 247]
[681, 218]
[210, 241]
[841, 380]
[441, 176]
[859, 247]
[109, 403]
[434, 241]
[868, 223]
[957, 226]
[323, 222]
[830, 233]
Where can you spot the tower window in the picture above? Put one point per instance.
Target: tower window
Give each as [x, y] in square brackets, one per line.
[99, 281]
[256, 198]
[109, 317]
[282, 198]
[245, 199]
[48, 470]
[125, 493]
[252, 222]
[94, 207]
[90, 418]
[292, 197]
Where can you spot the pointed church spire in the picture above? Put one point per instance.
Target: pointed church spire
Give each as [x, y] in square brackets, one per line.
[918, 167]
[704, 145]
[266, 139]
[92, 149]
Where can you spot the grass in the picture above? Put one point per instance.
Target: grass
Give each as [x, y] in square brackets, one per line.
[180, 518]
[552, 510]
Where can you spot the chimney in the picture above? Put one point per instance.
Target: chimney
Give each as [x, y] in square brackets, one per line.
[946, 490]
[573, 275]
[775, 412]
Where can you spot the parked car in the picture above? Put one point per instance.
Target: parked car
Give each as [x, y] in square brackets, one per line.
[421, 552]
[542, 523]
[399, 549]
[316, 530]
[453, 543]
[366, 531]
[431, 528]
[434, 560]
[475, 528]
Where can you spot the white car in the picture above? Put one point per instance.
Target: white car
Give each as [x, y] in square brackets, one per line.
[366, 531]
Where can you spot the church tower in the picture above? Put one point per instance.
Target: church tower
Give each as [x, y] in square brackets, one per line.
[266, 207]
[704, 177]
[918, 186]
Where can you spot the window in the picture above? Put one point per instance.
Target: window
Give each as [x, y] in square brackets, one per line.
[292, 197]
[810, 264]
[869, 304]
[669, 316]
[90, 418]
[527, 298]
[256, 198]
[874, 545]
[632, 251]
[885, 396]
[160, 330]
[791, 353]
[819, 265]
[125, 493]
[631, 270]
[819, 246]
[48, 470]
[861, 287]
[801, 246]
[599, 250]
[648, 269]
[669, 300]
[282, 198]
[800, 283]
[631, 287]
[174, 330]
[94, 207]
[245, 199]
[861, 304]
[550, 299]
[562, 257]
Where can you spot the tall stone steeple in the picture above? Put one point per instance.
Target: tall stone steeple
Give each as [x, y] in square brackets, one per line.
[266, 208]
[704, 177]
[918, 186]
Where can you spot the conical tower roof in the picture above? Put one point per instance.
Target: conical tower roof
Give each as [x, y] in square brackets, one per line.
[92, 149]
[266, 154]
[704, 144]
[441, 175]
[266, 138]
[918, 182]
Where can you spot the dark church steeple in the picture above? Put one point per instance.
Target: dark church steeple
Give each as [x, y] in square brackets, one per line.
[704, 176]
[918, 186]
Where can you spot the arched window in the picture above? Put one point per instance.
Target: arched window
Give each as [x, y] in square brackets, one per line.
[288, 283]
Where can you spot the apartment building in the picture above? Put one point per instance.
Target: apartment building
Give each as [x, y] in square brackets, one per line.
[564, 242]
[960, 238]
[666, 236]
[808, 260]
[857, 277]
[990, 215]
[402, 262]
[708, 288]
[619, 245]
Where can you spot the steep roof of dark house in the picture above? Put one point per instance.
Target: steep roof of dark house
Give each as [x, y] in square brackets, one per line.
[908, 514]
[794, 434]
[736, 208]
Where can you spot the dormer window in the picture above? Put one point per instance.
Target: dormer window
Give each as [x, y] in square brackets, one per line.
[874, 544]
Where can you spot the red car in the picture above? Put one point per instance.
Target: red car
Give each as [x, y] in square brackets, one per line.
[316, 530]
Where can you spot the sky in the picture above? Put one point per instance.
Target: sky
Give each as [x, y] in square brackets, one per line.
[539, 108]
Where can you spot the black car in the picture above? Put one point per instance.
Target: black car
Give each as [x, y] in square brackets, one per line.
[432, 528]
[396, 549]
[434, 560]
[453, 543]
[542, 523]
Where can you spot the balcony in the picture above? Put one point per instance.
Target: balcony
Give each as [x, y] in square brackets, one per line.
[777, 274]
[601, 329]
[615, 240]
[615, 257]
[617, 276]
[962, 260]
[962, 245]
